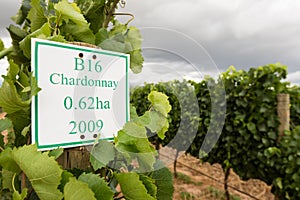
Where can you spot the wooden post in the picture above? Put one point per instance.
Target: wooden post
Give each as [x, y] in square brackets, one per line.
[283, 110]
[78, 157]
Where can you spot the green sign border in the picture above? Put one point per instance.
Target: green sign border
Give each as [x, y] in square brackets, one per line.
[74, 144]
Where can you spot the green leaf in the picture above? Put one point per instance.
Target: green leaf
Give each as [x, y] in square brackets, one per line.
[18, 196]
[278, 182]
[43, 32]
[1, 45]
[24, 79]
[298, 161]
[20, 120]
[251, 127]
[80, 33]
[17, 35]
[5, 124]
[36, 15]
[164, 182]
[135, 130]
[34, 86]
[134, 116]
[118, 28]
[95, 15]
[115, 44]
[26, 130]
[272, 135]
[125, 40]
[56, 153]
[149, 183]
[65, 177]
[160, 102]
[13, 70]
[57, 38]
[7, 179]
[77, 190]
[10, 101]
[156, 122]
[22, 13]
[164, 129]
[296, 177]
[101, 36]
[7, 162]
[43, 171]
[137, 148]
[70, 11]
[102, 154]
[98, 186]
[136, 61]
[132, 188]
[134, 37]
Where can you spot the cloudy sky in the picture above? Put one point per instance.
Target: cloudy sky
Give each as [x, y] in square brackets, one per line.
[192, 38]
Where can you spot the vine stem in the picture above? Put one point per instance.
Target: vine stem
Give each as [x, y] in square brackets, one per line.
[23, 180]
[110, 13]
[227, 173]
[20, 84]
[175, 163]
[6, 52]
[126, 14]
[13, 182]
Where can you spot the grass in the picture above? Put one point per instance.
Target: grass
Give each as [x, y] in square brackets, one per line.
[187, 196]
[187, 179]
[217, 194]
[210, 191]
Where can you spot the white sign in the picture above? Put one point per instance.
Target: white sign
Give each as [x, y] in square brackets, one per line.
[84, 96]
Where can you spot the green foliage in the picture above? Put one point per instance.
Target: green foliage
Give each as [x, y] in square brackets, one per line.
[183, 119]
[132, 187]
[163, 181]
[102, 154]
[7, 162]
[125, 40]
[10, 100]
[44, 175]
[286, 161]
[36, 15]
[248, 142]
[250, 118]
[295, 105]
[77, 190]
[132, 139]
[98, 186]
[18, 196]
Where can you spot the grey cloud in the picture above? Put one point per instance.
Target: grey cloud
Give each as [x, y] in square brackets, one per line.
[240, 33]
[294, 77]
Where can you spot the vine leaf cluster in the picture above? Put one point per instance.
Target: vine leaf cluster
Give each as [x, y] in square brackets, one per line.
[125, 168]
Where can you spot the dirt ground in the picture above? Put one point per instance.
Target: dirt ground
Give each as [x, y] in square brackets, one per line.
[202, 181]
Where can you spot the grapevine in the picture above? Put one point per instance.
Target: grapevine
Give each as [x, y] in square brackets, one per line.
[125, 165]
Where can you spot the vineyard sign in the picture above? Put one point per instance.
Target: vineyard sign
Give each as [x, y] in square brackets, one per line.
[84, 96]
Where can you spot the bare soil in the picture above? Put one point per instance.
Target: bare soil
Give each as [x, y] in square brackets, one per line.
[202, 181]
